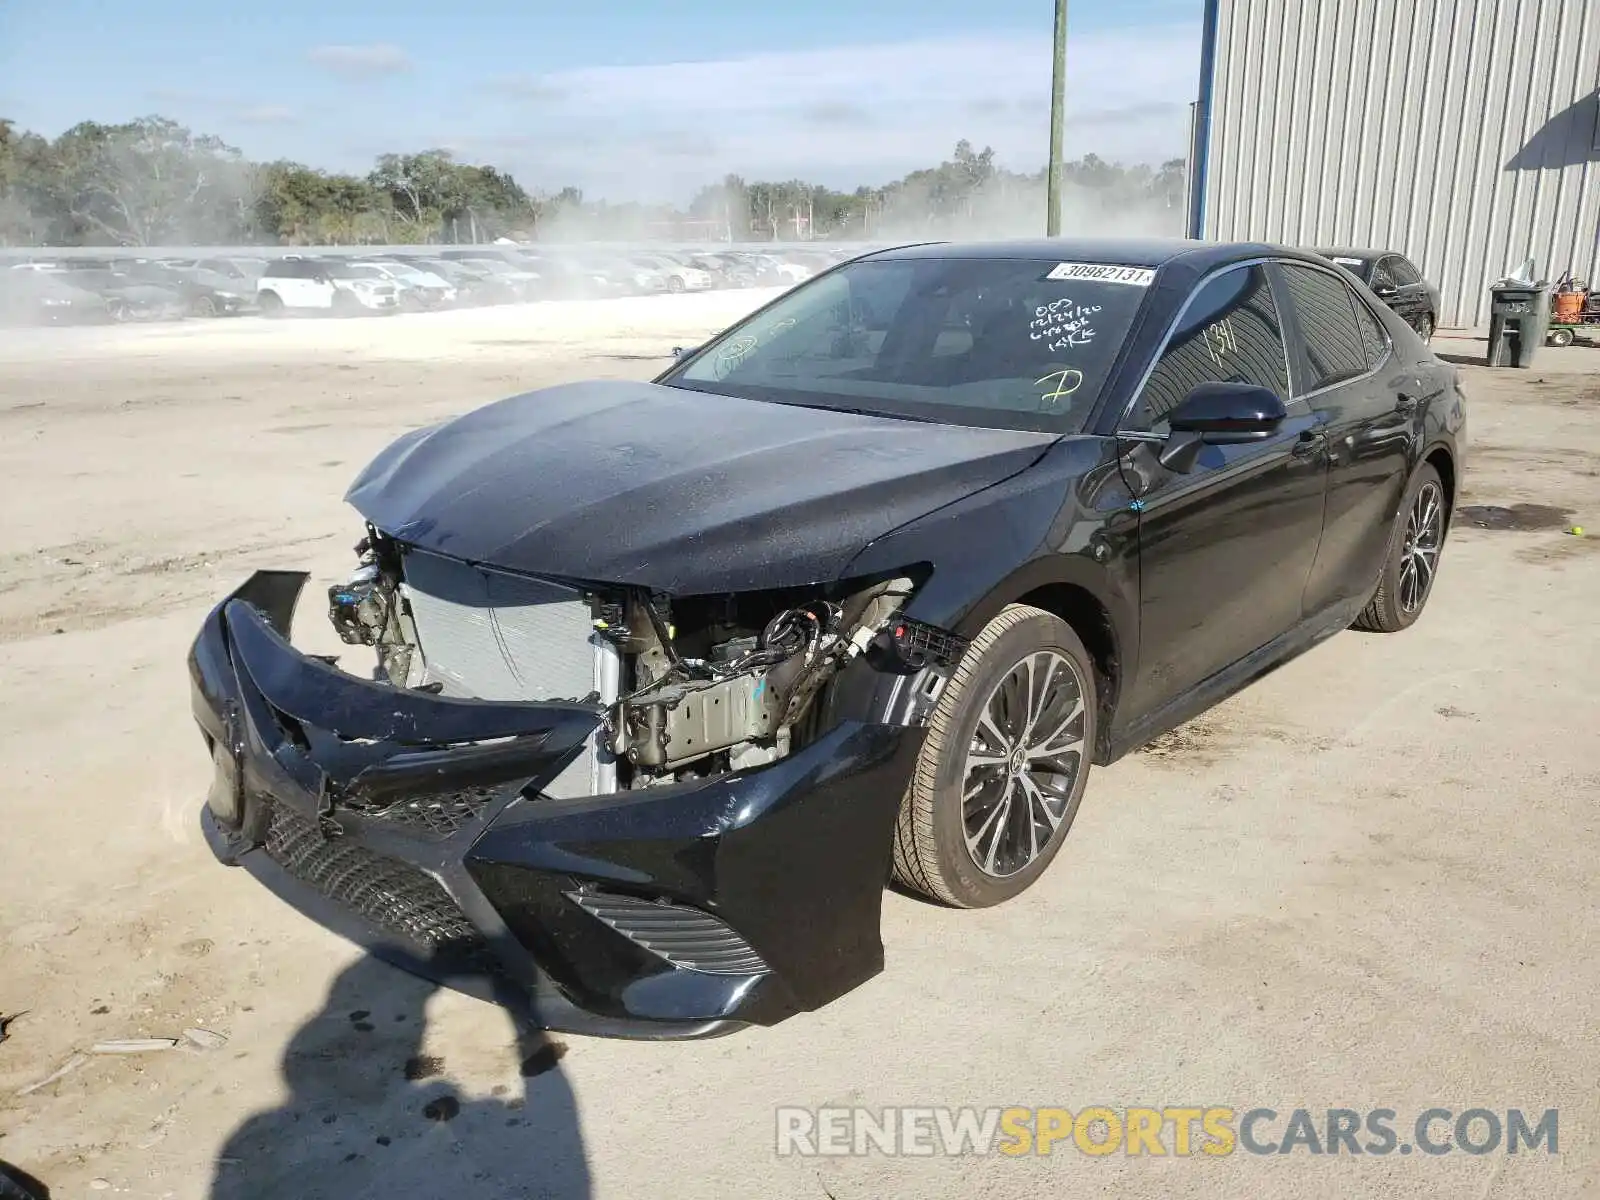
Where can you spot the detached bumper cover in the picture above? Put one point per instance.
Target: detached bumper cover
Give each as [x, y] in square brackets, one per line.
[414, 825]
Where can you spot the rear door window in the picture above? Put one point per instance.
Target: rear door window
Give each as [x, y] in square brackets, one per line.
[1404, 273]
[1331, 338]
[1229, 333]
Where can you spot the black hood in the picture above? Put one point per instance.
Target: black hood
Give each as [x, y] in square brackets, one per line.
[681, 491]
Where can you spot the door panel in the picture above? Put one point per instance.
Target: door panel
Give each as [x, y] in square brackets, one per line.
[1369, 436]
[1224, 552]
[1225, 549]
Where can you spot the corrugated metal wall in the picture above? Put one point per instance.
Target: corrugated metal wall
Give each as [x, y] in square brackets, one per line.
[1465, 133]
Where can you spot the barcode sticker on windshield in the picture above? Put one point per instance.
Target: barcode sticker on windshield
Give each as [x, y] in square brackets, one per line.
[1101, 273]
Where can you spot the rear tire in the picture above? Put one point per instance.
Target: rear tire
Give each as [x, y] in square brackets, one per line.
[1004, 765]
[1416, 544]
[1559, 337]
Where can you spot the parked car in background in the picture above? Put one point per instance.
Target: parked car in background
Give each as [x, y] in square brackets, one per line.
[563, 277]
[677, 276]
[419, 288]
[328, 285]
[721, 269]
[474, 285]
[525, 283]
[206, 293]
[128, 298]
[1395, 280]
[39, 297]
[617, 275]
[243, 267]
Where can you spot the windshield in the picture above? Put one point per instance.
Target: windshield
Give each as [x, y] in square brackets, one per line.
[1014, 344]
[350, 271]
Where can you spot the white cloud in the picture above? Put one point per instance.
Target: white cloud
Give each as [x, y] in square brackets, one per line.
[361, 62]
[844, 115]
[266, 114]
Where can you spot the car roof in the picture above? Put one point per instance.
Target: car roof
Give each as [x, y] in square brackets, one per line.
[1121, 252]
[1367, 255]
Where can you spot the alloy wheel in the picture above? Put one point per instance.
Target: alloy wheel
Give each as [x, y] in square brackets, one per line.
[1025, 756]
[1419, 558]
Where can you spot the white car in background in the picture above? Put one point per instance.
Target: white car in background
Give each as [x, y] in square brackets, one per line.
[792, 271]
[330, 285]
[679, 277]
[418, 288]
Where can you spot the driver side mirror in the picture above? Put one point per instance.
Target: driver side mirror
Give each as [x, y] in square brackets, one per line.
[1220, 414]
[681, 352]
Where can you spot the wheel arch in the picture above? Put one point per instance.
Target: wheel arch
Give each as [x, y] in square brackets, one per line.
[1441, 460]
[1067, 588]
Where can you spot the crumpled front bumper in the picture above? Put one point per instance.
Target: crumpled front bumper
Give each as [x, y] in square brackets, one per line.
[414, 825]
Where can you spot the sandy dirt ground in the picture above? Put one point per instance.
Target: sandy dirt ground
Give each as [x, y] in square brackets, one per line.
[1365, 882]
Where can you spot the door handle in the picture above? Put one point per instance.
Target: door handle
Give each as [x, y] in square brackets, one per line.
[1308, 443]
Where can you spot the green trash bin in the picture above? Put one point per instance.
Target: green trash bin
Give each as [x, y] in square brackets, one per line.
[1519, 318]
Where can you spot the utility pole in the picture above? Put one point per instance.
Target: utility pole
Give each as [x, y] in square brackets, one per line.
[1058, 104]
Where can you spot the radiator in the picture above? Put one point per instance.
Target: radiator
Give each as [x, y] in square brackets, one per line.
[496, 636]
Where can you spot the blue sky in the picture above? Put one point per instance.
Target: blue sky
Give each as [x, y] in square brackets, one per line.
[626, 99]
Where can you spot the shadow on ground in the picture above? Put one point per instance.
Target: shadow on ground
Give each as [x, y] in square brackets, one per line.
[368, 1115]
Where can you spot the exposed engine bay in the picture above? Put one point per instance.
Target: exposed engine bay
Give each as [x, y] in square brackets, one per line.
[691, 686]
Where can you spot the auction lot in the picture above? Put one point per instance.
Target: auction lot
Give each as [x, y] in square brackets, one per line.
[1364, 883]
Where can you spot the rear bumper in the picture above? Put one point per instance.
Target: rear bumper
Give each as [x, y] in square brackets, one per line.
[413, 824]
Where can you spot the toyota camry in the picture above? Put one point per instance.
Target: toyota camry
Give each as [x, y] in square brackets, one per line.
[657, 685]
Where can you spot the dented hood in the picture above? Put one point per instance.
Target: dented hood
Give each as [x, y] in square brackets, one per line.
[682, 491]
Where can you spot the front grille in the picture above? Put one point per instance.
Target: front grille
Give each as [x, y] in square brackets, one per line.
[440, 814]
[685, 937]
[401, 899]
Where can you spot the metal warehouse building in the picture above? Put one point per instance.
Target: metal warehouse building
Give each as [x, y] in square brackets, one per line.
[1464, 133]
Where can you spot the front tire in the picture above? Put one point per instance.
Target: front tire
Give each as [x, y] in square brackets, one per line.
[1004, 765]
[270, 303]
[1412, 564]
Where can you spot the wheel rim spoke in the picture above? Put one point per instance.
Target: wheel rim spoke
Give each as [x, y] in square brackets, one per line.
[1419, 557]
[1023, 763]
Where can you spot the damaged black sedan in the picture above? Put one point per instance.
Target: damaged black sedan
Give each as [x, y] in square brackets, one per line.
[671, 678]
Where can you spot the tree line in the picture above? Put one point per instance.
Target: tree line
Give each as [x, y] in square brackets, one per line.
[154, 182]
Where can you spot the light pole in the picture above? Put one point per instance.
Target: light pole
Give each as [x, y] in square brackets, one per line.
[1058, 98]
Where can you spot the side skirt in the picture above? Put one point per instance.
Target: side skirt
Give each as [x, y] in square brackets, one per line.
[1236, 677]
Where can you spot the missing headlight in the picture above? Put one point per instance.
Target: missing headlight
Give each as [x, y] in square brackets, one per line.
[725, 683]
